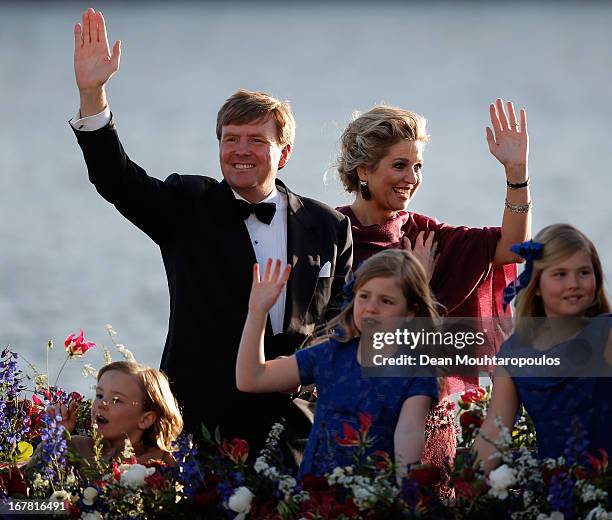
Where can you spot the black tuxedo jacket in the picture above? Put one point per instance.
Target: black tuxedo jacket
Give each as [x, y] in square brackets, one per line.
[208, 258]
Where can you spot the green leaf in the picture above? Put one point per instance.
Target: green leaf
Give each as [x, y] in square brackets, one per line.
[205, 433]
[217, 435]
[24, 451]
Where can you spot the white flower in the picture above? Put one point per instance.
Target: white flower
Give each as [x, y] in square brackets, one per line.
[555, 515]
[599, 513]
[89, 494]
[93, 515]
[240, 501]
[89, 370]
[59, 496]
[133, 475]
[500, 479]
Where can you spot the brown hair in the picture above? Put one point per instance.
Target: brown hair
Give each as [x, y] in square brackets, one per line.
[158, 398]
[560, 242]
[246, 106]
[396, 263]
[368, 137]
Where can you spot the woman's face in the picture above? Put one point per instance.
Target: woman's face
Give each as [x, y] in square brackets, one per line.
[568, 288]
[397, 177]
[379, 298]
[118, 407]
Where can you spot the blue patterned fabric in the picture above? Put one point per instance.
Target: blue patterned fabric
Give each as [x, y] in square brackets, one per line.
[553, 402]
[342, 394]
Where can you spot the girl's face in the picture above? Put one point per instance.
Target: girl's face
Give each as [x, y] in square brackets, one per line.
[118, 408]
[380, 298]
[397, 177]
[568, 288]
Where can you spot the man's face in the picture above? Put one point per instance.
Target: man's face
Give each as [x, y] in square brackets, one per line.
[250, 156]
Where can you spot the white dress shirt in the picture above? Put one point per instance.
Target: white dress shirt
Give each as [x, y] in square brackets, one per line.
[268, 241]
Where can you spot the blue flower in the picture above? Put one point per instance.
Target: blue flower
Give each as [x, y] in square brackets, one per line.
[189, 473]
[54, 447]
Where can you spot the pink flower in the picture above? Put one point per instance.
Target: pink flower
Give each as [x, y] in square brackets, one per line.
[76, 346]
[475, 396]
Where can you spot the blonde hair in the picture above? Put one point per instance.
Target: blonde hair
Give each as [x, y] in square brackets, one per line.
[389, 263]
[158, 398]
[367, 139]
[246, 106]
[560, 242]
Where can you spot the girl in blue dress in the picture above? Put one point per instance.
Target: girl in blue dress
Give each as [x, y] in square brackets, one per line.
[562, 282]
[391, 283]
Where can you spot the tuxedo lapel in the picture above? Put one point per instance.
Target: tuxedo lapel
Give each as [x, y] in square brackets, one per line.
[303, 255]
[229, 234]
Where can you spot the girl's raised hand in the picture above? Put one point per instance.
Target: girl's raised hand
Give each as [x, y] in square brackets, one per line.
[265, 291]
[67, 413]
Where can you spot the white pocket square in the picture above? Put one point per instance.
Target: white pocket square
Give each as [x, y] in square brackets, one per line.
[325, 271]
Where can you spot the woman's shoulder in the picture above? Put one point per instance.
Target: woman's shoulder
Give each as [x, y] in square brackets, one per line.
[156, 454]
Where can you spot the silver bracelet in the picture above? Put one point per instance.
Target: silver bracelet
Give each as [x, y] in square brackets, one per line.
[518, 208]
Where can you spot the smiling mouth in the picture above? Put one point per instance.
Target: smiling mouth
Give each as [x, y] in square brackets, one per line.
[573, 299]
[243, 166]
[405, 192]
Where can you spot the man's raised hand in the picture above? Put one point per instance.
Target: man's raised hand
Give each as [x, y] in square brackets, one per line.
[94, 64]
[266, 291]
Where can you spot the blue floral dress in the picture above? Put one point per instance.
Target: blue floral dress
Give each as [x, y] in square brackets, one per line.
[343, 393]
[554, 403]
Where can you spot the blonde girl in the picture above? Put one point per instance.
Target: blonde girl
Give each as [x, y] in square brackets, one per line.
[390, 284]
[132, 402]
[562, 282]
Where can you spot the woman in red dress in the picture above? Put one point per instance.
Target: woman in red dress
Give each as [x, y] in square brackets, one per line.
[381, 160]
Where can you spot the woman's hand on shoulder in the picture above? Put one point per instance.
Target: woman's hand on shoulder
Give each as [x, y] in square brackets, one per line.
[266, 290]
[508, 140]
[425, 250]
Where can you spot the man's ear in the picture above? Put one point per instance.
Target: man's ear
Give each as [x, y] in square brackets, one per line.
[285, 154]
[147, 419]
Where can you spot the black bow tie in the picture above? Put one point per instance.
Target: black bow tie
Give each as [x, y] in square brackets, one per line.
[264, 211]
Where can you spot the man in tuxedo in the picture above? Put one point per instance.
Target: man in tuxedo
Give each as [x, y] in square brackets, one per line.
[210, 234]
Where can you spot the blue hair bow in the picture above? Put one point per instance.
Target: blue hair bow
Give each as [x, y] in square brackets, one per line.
[530, 251]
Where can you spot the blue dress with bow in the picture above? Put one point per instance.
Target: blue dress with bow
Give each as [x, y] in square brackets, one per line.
[555, 403]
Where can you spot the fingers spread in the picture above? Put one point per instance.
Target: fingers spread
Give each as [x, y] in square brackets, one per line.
[494, 118]
[286, 273]
[78, 36]
[267, 271]
[255, 273]
[502, 114]
[523, 120]
[512, 116]
[490, 139]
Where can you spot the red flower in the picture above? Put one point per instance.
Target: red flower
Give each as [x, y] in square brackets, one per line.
[13, 483]
[314, 483]
[426, 475]
[382, 460]
[599, 465]
[470, 420]
[76, 346]
[351, 436]
[365, 421]
[156, 481]
[237, 451]
[475, 396]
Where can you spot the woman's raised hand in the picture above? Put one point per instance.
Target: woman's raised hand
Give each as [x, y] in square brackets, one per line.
[508, 141]
[265, 291]
[425, 251]
[93, 62]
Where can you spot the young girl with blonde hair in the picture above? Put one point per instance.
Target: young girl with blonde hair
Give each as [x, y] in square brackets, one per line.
[562, 282]
[390, 284]
[132, 402]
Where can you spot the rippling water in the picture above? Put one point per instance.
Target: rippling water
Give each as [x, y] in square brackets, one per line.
[70, 261]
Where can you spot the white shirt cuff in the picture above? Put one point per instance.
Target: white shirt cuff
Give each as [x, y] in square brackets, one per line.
[91, 123]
